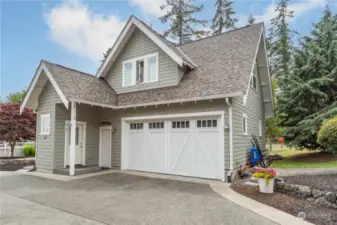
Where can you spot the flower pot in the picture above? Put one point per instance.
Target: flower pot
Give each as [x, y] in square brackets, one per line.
[266, 188]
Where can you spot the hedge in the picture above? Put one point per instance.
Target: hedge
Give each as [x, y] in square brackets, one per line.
[327, 135]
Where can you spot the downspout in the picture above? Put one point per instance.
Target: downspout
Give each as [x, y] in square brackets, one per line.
[231, 156]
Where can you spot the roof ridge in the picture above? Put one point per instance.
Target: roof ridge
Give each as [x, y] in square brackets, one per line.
[68, 68]
[215, 35]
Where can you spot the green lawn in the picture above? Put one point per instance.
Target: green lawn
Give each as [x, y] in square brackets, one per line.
[303, 159]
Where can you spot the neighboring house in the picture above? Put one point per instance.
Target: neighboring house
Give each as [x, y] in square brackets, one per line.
[153, 106]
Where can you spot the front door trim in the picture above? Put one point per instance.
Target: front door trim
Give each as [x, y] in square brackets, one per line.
[66, 141]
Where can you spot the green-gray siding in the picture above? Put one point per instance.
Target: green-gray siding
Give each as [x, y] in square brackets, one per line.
[254, 110]
[85, 113]
[45, 143]
[139, 45]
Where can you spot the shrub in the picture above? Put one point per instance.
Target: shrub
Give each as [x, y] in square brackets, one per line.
[327, 135]
[29, 150]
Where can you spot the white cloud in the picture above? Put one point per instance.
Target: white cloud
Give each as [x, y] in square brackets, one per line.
[299, 7]
[79, 30]
[149, 7]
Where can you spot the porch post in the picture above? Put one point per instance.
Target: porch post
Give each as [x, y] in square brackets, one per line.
[72, 140]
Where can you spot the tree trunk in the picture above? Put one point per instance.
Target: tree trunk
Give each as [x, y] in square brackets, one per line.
[12, 148]
[270, 144]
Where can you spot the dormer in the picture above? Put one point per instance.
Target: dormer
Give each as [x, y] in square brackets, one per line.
[141, 59]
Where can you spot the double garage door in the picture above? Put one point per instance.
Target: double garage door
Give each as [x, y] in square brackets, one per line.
[188, 147]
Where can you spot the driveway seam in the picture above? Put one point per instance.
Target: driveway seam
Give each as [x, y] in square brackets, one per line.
[62, 210]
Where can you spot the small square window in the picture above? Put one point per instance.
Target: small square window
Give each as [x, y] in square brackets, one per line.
[182, 124]
[187, 124]
[174, 124]
[209, 123]
[215, 123]
[204, 123]
[199, 123]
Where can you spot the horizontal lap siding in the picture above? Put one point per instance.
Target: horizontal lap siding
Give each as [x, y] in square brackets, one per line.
[45, 143]
[114, 117]
[255, 111]
[140, 45]
[85, 113]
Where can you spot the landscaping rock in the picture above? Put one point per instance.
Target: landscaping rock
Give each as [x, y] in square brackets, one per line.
[317, 193]
[331, 197]
[279, 185]
[279, 179]
[311, 199]
[288, 187]
[304, 191]
[320, 201]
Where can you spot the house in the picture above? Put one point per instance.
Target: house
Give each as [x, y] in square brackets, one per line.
[154, 106]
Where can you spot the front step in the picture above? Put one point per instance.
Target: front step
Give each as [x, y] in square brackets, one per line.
[78, 171]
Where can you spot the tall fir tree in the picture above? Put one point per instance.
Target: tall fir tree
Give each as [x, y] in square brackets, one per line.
[280, 43]
[251, 19]
[180, 13]
[223, 19]
[311, 94]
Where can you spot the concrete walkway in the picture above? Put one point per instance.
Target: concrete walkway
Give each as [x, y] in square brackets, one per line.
[305, 171]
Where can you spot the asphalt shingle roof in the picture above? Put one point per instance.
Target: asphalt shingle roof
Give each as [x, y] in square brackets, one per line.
[224, 65]
[81, 86]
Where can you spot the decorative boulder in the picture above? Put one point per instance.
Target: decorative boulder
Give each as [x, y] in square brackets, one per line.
[331, 197]
[304, 191]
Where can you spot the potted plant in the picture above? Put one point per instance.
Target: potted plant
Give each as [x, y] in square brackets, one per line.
[266, 179]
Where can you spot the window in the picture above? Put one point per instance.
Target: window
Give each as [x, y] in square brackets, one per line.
[128, 74]
[244, 124]
[260, 128]
[45, 124]
[181, 124]
[136, 126]
[207, 123]
[140, 70]
[253, 81]
[156, 125]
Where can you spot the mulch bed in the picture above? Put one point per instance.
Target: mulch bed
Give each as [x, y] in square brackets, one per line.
[315, 214]
[14, 157]
[326, 182]
[315, 157]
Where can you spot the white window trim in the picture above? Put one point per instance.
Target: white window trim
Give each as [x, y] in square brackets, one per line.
[134, 72]
[260, 128]
[246, 130]
[42, 117]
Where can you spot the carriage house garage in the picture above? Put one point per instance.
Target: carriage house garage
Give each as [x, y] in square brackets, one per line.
[155, 106]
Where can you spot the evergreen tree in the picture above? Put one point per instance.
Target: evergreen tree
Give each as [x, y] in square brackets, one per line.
[223, 19]
[280, 43]
[251, 19]
[311, 94]
[183, 23]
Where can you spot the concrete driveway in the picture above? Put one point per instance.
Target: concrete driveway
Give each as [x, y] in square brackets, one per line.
[116, 199]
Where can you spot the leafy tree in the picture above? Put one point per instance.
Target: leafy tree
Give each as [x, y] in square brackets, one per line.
[180, 13]
[251, 19]
[310, 97]
[15, 127]
[327, 135]
[16, 97]
[280, 43]
[223, 19]
[272, 124]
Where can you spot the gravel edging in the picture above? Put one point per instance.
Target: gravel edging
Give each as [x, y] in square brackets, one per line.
[305, 171]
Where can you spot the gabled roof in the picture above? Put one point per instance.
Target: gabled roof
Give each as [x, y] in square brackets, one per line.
[70, 85]
[224, 67]
[169, 48]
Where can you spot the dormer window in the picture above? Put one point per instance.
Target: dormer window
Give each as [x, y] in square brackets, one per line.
[140, 70]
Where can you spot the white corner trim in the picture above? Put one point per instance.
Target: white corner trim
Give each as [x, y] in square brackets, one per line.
[147, 32]
[230, 120]
[43, 67]
[100, 144]
[252, 69]
[244, 115]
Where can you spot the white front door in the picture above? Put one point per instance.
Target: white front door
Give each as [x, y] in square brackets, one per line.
[78, 144]
[186, 146]
[105, 147]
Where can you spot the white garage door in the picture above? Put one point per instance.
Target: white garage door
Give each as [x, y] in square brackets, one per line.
[189, 147]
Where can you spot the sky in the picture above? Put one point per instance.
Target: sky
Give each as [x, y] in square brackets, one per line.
[75, 33]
